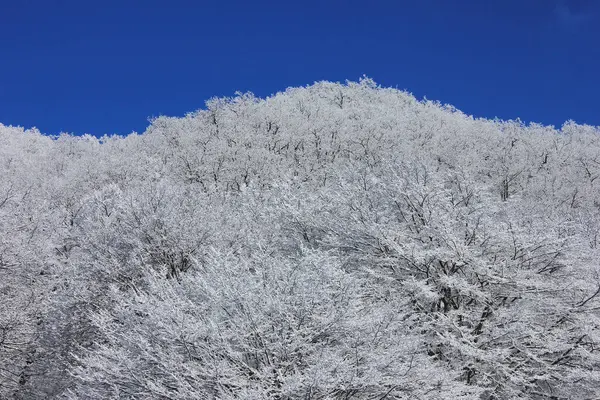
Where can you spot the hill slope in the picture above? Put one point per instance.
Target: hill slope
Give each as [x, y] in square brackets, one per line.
[329, 242]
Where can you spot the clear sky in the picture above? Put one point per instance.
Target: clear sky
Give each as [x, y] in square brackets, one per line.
[107, 66]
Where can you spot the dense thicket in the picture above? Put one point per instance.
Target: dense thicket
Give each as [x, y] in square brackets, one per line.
[329, 242]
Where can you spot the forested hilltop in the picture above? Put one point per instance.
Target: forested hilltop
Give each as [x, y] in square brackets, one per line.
[328, 242]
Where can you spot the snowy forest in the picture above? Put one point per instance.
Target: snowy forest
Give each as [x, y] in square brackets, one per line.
[336, 241]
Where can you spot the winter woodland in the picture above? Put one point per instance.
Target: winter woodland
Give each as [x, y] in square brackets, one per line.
[335, 241]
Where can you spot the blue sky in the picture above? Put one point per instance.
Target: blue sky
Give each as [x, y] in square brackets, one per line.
[107, 66]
